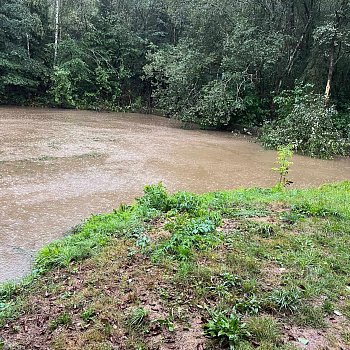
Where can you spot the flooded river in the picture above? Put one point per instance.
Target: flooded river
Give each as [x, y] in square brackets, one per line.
[59, 166]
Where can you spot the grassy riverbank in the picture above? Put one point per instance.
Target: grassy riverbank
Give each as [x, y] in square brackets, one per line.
[250, 269]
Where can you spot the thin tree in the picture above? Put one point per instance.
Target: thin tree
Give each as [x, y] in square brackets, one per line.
[57, 12]
[339, 18]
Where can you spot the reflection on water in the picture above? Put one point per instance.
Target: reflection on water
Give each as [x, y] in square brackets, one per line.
[59, 166]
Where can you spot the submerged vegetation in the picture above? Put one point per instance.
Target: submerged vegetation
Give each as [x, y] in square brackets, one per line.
[244, 269]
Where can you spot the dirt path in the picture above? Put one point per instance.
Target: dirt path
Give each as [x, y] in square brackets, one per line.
[59, 166]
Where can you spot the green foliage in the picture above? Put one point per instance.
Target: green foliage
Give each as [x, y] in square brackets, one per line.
[250, 305]
[62, 320]
[95, 233]
[84, 82]
[137, 317]
[310, 316]
[286, 299]
[188, 235]
[284, 156]
[227, 328]
[142, 241]
[291, 217]
[214, 63]
[342, 122]
[7, 311]
[224, 284]
[88, 314]
[306, 124]
[184, 201]
[8, 290]
[176, 71]
[62, 90]
[10, 303]
[214, 87]
[185, 90]
[313, 209]
[20, 74]
[168, 323]
[155, 197]
[228, 280]
[263, 229]
[264, 328]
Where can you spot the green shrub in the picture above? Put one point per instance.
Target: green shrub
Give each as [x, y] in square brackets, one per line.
[156, 197]
[306, 124]
[284, 157]
[62, 89]
[342, 123]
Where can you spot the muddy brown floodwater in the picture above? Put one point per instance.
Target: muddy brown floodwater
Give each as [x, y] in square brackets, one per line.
[59, 166]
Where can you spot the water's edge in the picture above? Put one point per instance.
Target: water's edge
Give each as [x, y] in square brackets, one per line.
[59, 166]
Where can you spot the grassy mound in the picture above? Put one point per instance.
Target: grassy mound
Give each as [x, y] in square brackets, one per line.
[247, 269]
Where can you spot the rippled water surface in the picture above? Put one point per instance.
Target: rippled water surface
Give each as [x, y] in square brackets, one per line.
[59, 166]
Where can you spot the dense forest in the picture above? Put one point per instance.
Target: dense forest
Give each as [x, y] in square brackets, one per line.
[283, 65]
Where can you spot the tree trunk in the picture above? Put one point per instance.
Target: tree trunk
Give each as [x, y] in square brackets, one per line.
[332, 62]
[330, 73]
[294, 55]
[57, 12]
[28, 45]
[292, 16]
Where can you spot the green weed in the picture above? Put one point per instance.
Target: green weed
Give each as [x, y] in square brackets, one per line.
[8, 310]
[88, 315]
[250, 305]
[284, 156]
[189, 234]
[313, 209]
[228, 329]
[224, 284]
[291, 217]
[168, 323]
[264, 329]
[263, 229]
[62, 320]
[184, 202]
[156, 197]
[310, 316]
[137, 317]
[286, 299]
